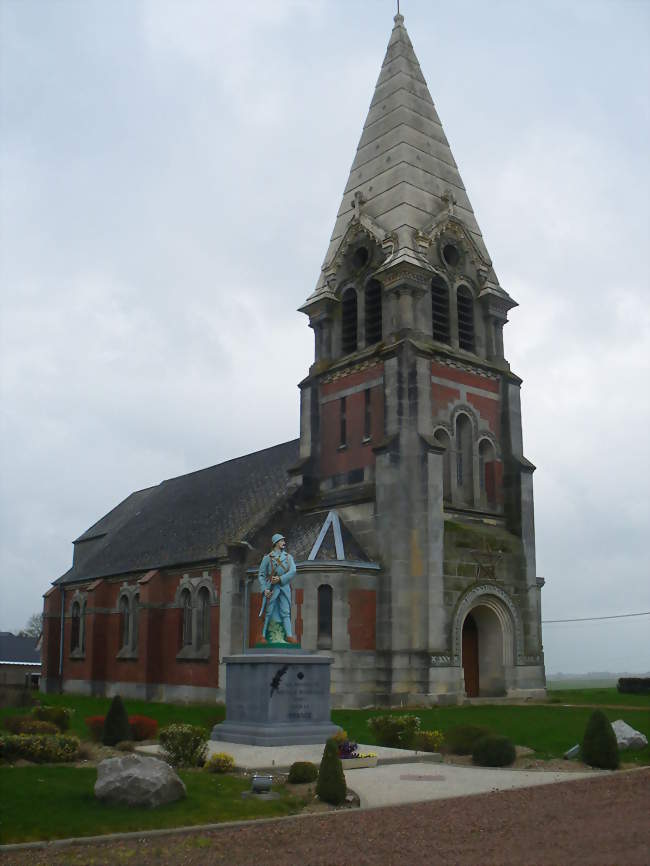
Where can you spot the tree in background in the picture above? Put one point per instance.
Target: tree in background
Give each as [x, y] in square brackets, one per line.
[34, 626]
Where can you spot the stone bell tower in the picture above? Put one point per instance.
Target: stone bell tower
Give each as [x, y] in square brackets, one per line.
[410, 415]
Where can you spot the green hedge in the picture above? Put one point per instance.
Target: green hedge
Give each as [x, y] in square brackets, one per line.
[39, 748]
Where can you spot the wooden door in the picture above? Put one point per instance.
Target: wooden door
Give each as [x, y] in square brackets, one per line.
[470, 656]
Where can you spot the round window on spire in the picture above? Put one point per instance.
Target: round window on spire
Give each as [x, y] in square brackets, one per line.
[450, 255]
[360, 258]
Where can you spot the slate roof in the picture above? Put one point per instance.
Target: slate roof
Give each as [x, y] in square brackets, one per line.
[403, 166]
[185, 519]
[303, 534]
[18, 650]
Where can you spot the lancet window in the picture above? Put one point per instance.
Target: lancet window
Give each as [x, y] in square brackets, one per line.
[349, 321]
[324, 615]
[373, 313]
[465, 306]
[440, 310]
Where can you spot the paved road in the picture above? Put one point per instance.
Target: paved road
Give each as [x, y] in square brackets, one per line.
[602, 821]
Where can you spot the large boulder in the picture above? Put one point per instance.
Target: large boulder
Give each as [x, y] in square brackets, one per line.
[627, 737]
[135, 780]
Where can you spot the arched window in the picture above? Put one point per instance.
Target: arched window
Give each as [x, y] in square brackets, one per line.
[82, 626]
[125, 621]
[349, 321]
[442, 438]
[440, 310]
[204, 617]
[465, 305]
[186, 605]
[373, 312]
[75, 629]
[487, 480]
[135, 614]
[464, 460]
[324, 616]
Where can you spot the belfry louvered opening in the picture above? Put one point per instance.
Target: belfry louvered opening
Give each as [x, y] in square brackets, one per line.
[349, 321]
[440, 310]
[373, 312]
[465, 304]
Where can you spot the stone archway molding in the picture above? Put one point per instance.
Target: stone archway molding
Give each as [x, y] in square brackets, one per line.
[499, 602]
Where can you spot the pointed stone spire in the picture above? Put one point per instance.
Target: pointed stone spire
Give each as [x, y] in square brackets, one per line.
[404, 177]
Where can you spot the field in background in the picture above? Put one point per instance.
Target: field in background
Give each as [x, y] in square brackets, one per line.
[581, 683]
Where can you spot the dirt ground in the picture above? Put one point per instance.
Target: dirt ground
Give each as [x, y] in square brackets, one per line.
[601, 822]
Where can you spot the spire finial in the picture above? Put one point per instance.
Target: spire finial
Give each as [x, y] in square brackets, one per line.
[399, 18]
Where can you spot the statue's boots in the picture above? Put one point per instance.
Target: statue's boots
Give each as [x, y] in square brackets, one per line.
[291, 640]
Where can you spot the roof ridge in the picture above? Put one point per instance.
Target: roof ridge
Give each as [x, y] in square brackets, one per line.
[229, 460]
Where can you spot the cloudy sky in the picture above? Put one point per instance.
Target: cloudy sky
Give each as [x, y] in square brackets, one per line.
[170, 174]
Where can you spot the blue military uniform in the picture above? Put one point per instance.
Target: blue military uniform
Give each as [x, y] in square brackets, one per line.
[278, 606]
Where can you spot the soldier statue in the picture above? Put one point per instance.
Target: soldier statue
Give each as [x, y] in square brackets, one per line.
[277, 570]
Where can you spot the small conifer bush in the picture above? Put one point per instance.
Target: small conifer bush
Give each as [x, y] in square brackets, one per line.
[493, 751]
[331, 787]
[116, 723]
[302, 771]
[599, 747]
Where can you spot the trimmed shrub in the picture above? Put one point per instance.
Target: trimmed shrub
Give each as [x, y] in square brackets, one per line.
[143, 728]
[221, 762]
[461, 739]
[302, 771]
[493, 751]
[634, 685]
[599, 747]
[184, 745]
[28, 725]
[14, 723]
[331, 787]
[428, 741]
[95, 725]
[39, 748]
[395, 731]
[59, 716]
[116, 723]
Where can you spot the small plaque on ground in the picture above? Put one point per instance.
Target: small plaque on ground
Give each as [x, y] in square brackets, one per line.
[421, 777]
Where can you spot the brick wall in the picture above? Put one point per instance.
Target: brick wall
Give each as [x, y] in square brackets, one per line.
[159, 634]
[357, 454]
[362, 621]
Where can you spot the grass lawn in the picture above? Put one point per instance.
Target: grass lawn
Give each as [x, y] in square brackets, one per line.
[205, 715]
[549, 730]
[51, 802]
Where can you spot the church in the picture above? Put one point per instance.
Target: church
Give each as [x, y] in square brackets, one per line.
[406, 502]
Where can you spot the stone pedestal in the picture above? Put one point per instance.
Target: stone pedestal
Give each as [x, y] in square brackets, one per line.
[276, 699]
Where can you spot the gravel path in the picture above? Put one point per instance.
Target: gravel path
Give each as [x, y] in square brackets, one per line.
[601, 821]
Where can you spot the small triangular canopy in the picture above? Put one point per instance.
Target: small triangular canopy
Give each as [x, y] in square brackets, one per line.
[404, 175]
[324, 538]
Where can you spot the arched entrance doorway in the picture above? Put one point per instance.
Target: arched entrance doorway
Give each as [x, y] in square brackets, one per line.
[482, 653]
[470, 656]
